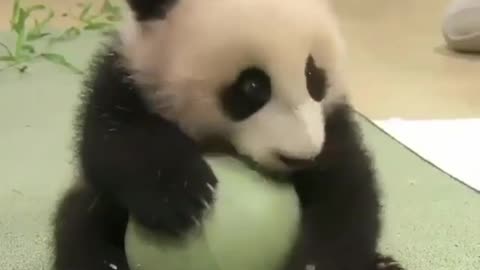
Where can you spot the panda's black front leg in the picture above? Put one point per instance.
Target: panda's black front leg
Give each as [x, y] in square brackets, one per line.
[339, 224]
[340, 207]
[150, 168]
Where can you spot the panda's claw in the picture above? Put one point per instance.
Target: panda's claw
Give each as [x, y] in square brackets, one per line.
[210, 187]
[206, 204]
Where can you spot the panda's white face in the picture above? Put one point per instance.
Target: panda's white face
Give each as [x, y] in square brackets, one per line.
[261, 73]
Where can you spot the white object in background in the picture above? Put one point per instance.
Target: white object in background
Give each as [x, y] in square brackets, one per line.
[452, 145]
[461, 26]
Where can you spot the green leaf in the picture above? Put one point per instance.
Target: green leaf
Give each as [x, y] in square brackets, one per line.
[24, 57]
[107, 6]
[37, 32]
[114, 18]
[22, 17]
[15, 11]
[96, 26]
[113, 13]
[35, 8]
[7, 59]
[68, 35]
[28, 48]
[36, 36]
[85, 10]
[45, 21]
[60, 60]
[72, 31]
[20, 22]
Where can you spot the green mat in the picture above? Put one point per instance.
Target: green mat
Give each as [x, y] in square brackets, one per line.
[432, 222]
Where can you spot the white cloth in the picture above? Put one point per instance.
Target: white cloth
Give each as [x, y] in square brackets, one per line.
[452, 145]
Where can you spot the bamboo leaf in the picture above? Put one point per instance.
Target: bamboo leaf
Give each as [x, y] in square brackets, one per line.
[68, 35]
[114, 18]
[35, 8]
[36, 36]
[60, 60]
[107, 6]
[96, 26]
[85, 10]
[7, 59]
[45, 21]
[22, 17]
[37, 32]
[20, 22]
[14, 18]
[28, 48]
[113, 13]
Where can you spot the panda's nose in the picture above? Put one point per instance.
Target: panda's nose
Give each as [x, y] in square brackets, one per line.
[297, 163]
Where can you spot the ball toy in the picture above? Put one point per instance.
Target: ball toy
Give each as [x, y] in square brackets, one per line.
[251, 225]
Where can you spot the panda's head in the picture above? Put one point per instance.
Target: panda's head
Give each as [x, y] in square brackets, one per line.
[262, 74]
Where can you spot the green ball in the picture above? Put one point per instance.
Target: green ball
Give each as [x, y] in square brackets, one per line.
[252, 225]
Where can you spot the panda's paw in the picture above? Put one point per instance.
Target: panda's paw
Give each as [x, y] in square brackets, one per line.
[180, 200]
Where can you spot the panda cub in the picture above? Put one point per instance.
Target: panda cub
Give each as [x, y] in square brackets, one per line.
[260, 80]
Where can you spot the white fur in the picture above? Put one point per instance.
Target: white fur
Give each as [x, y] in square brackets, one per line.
[203, 45]
[297, 132]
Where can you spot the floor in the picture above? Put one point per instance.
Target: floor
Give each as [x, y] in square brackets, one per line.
[399, 64]
[399, 68]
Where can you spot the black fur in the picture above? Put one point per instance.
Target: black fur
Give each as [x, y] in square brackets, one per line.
[316, 80]
[138, 163]
[89, 232]
[340, 204]
[247, 95]
[139, 159]
[151, 9]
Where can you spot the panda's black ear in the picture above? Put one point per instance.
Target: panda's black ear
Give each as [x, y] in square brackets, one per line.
[151, 9]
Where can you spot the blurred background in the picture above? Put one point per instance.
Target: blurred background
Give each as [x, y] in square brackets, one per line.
[400, 66]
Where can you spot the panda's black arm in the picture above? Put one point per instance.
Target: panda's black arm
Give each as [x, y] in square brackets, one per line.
[340, 205]
[142, 161]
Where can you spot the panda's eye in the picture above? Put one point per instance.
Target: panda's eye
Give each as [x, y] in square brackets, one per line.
[316, 80]
[248, 94]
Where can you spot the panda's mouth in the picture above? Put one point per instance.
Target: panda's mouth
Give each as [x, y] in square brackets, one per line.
[217, 145]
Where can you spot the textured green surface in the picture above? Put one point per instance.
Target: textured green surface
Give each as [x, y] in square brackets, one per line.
[432, 221]
[249, 210]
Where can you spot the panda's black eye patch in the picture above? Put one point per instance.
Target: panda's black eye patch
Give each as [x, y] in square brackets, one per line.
[248, 94]
[316, 80]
